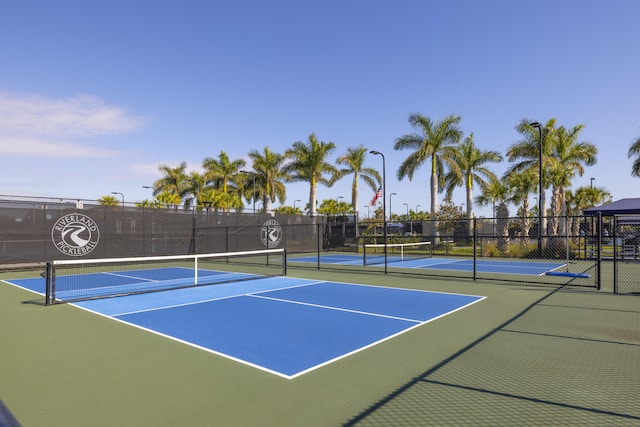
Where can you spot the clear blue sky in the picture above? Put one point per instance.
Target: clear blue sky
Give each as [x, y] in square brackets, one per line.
[95, 96]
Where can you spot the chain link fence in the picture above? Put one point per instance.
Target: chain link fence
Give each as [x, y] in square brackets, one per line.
[580, 251]
[625, 243]
[500, 249]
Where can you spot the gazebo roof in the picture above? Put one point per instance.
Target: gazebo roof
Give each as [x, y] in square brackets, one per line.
[619, 207]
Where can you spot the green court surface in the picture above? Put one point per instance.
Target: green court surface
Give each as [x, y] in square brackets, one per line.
[525, 355]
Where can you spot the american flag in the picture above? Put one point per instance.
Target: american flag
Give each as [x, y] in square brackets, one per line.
[376, 196]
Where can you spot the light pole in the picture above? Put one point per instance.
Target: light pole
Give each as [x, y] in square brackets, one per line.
[591, 181]
[121, 195]
[337, 213]
[253, 194]
[148, 187]
[384, 205]
[390, 196]
[410, 223]
[294, 204]
[539, 126]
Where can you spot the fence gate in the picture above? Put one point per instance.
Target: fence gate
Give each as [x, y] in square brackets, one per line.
[626, 246]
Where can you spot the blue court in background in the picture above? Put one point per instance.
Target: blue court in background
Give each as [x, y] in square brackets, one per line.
[282, 325]
[533, 268]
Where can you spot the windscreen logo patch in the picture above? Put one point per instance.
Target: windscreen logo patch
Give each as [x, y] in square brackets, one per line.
[75, 234]
[271, 233]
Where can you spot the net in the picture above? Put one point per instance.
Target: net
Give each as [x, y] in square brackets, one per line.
[78, 280]
[374, 253]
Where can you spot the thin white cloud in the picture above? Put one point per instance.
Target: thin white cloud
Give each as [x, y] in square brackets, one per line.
[152, 169]
[34, 125]
[50, 148]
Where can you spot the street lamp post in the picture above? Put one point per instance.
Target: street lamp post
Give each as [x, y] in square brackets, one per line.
[148, 187]
[338, 205]
[294, 204]
[410, 223]
[539, 126]
[592, 178]
[121, 195]
[384, 206]
[390, 211]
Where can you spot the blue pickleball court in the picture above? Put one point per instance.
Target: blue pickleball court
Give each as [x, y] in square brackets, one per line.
[490, 265]
[282, 325]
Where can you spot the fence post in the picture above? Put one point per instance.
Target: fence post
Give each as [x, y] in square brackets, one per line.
[475, 250]
[318, 238]
[599, 252]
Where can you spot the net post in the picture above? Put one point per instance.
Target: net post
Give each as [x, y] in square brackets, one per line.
[195, 270]
[48, 288]
[364, 253]
[284, 262]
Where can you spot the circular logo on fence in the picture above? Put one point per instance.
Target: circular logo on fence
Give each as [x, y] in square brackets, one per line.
[75, 234]
[271, 233]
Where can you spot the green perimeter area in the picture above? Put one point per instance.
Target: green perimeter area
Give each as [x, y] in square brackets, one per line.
[525, 355]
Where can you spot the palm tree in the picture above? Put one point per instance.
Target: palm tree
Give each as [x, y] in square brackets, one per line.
[173, 181]
[584, 198]
[634, 150]
[109, 201]
[354, 162]
[467, 165]
[499, 191]
[522, 184]
[308, 163]
[222, 171]
[568, 158]
[269, 176]
[171, 200]
[192, 190]
[432, 141]
[527, 151]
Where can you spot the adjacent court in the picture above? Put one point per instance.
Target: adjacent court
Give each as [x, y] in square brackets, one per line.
[533, 268]
[281, 325]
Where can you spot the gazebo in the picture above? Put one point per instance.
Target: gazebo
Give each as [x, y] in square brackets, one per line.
[619, 207]
[625, 224]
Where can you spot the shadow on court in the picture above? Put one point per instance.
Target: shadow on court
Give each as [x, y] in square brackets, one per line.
[556, 362]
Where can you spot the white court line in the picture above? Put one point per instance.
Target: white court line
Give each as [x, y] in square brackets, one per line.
[330, 307]
[219, 298]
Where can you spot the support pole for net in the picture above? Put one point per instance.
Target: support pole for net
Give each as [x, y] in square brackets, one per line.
[49, 291]
[284, 262]
[195, 270]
